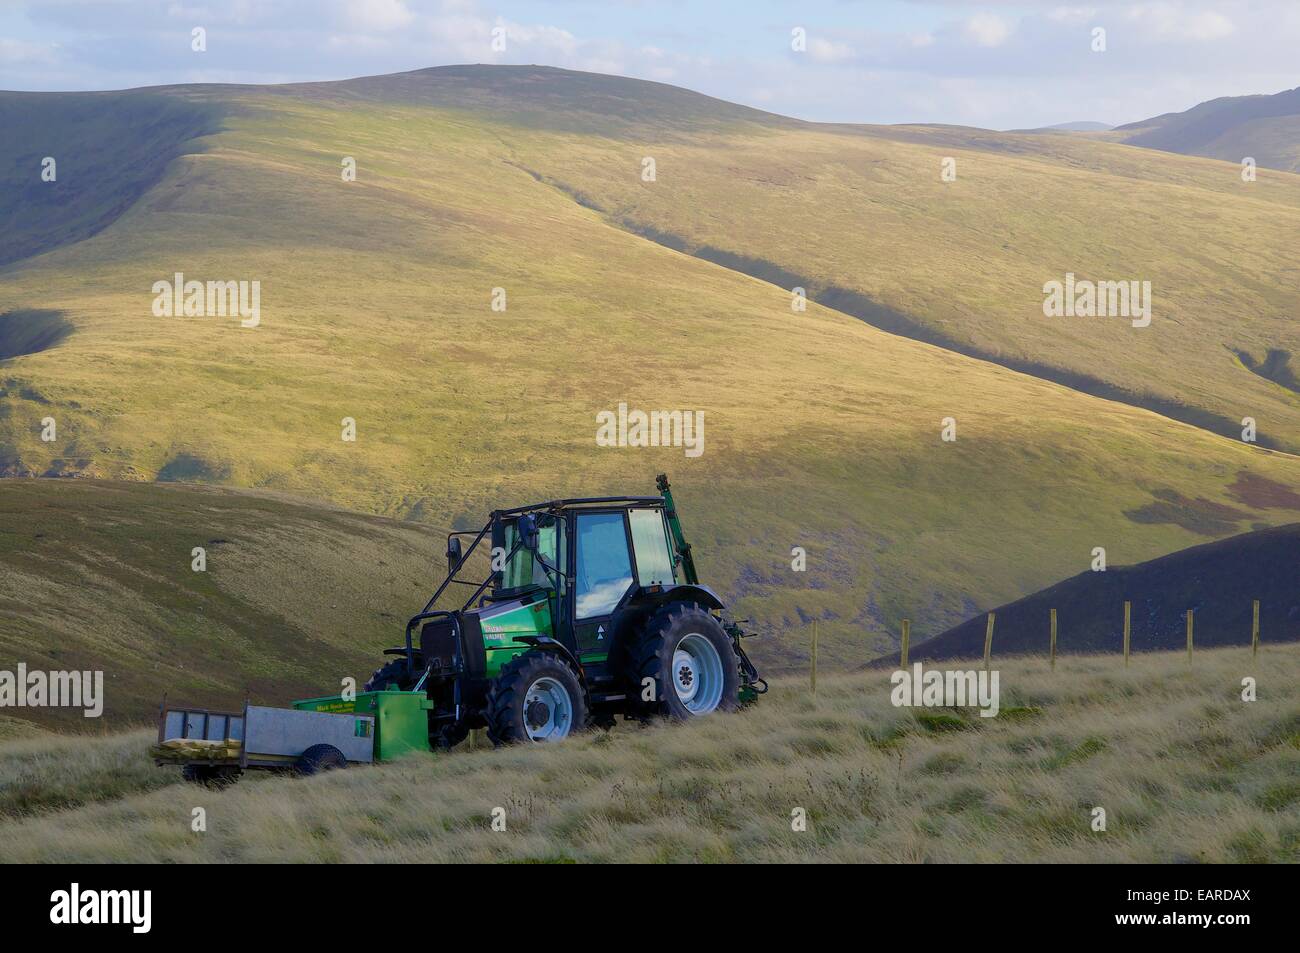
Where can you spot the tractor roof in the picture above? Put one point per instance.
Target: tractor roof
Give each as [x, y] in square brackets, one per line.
[585, 501]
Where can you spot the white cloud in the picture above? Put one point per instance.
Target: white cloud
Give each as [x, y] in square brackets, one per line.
[1178, 22]
[355, 43]
[1209, 25]
[17, 52]
[380, 15]
[828, 51]
[1072, 15]
[987, 29]
[541, 39]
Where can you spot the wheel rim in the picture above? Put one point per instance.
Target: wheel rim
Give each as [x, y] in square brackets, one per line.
[697, 674]
[548, 710]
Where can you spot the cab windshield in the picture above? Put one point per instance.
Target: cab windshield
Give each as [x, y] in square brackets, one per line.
[522, 569]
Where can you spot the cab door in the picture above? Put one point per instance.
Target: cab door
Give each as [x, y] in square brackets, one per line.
[603, 574]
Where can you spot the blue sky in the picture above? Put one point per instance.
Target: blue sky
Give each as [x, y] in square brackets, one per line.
[993, 63]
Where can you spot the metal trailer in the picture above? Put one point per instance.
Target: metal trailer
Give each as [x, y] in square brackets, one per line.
[357, 729]
[269, 738]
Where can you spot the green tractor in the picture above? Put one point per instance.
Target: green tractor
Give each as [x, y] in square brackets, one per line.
[591, 609]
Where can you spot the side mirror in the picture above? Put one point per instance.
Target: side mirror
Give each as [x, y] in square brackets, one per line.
[453, 554]
[526, 527]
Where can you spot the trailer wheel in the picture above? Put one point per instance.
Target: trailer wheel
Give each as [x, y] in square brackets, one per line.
[212, 775]
[320, 758]
[685, 661]
[536, 697]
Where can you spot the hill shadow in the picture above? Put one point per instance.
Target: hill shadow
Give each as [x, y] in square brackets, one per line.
[72, 163]
[1275, 367]
[31, 330]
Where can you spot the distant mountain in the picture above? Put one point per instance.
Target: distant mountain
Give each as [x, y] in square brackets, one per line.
[1218, 580]
[1266, 128]
[548, 97]
[1082, 125]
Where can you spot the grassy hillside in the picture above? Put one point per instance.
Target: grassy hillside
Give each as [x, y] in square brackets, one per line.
[821, 431]
[1185, 770]
[1266, 128]
[294, 598]
[1218, 581]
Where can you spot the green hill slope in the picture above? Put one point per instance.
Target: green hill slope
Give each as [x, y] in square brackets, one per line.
[822, 431]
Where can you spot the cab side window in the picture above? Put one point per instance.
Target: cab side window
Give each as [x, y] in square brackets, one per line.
[654, 561]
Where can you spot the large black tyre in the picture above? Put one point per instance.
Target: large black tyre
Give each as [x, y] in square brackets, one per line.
[211, 775]
[320, 758]
[448, 736]
[389, 673]
[522, 701]
[690, 662]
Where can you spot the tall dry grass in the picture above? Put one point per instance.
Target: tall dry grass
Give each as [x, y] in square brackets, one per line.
[1185, 769]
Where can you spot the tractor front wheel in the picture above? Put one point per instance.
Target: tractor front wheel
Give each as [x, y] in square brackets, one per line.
[684, 664]
[390, 673]
[536, 697]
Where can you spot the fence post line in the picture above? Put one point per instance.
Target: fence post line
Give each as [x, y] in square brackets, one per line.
[988, 642]
[1053, 645]
[1189, 636]
[1128, 616]
[1254, 632]
[907, 638]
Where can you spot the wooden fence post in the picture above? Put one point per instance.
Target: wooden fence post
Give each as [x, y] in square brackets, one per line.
[1189, 636]
[1053, 645]
[907, 637]
[1254, 632]
[988, 642]
[1128, 616]
[814, 659]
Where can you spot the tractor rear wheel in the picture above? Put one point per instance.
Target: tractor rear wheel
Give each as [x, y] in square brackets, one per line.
[536, 697]
[690, 662]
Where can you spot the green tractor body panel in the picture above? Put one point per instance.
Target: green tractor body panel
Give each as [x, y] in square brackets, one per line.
[502, 625]
[401, 718]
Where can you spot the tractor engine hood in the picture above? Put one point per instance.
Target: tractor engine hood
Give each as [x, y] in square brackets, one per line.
[486, 637]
